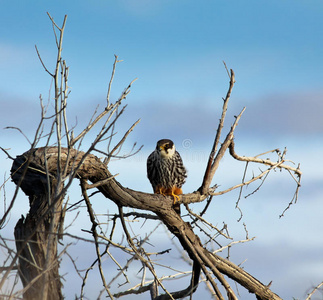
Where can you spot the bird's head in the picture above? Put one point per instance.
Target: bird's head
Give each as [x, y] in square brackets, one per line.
[165, 148]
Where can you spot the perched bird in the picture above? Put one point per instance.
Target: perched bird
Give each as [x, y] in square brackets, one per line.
[165, 170]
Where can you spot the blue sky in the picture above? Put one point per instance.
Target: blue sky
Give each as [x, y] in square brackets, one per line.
[176, 50]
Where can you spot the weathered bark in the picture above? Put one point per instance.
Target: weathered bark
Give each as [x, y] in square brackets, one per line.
[36, 235]
[92, 169]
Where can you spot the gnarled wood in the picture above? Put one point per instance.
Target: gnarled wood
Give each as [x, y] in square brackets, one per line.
[36, 235]
[89, 167]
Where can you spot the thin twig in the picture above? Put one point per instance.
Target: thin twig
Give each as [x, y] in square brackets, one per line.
[208, 172]
[106, 161]
[262, 161]
[315, 289]
[132, 245]
[247, 182]
[41, 61]
[95, 236]
[111, 78]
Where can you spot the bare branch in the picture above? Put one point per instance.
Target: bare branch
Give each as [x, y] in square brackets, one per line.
[247, 182]
[111, 78]
[7, 153]
[117, 146]
[95, 235]
[109, 109]
[144, 261]
[214, 162]
[41, 61]
[314, 290]
[262, 161]
[16, 128]
[97, 184]
[207, 175]
[198, 217]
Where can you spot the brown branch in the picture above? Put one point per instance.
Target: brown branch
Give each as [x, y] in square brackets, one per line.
[280, 165]
[314, 290]
[207, 180]
[111, 78]
[97, 184]
[262, 161]
[217, 273]
[110, 108]
[119, 144]
[95, 235]
[16, 128]
[215, 161]
[247, 182]
[198, 217]
[41, 61]
[139, 256]
[187, 291]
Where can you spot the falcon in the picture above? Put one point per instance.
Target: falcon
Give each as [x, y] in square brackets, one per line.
[165, 170]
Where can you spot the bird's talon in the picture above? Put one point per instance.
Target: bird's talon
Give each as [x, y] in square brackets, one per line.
[176, 198]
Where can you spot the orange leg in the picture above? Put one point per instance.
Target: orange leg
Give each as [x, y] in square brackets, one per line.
[174, 191]
[160, 190]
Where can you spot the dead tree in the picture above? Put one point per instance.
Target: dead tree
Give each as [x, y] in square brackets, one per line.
[46, 173]
[35, 235]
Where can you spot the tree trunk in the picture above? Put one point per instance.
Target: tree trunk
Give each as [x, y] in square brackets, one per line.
[36, 235]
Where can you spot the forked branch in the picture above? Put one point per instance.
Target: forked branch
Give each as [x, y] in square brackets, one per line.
[215, 155]
[267, 162]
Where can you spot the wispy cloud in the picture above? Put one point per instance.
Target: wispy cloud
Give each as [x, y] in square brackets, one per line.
[295, 113]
